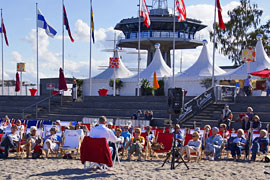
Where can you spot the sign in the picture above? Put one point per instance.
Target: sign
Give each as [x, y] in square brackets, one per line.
[50, 86]
[114, 62]
[248, 55]
[21, 67]
[197, 104]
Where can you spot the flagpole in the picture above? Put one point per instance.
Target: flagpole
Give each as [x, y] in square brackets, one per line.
[214, 42]
[37, 46]
[174, 44]
[63, 41]
[2, 52]
[90, 55]
[139, 49]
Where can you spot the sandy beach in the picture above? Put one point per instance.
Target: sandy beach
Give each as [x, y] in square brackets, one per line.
[73, 169]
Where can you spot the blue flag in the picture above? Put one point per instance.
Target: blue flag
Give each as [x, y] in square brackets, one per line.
[42, 23]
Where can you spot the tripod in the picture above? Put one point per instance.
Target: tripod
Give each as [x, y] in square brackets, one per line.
[174, 153]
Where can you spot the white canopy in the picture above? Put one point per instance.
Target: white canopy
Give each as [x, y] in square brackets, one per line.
[262, 62]
[157, 65]
[121, 72]
[202, 68]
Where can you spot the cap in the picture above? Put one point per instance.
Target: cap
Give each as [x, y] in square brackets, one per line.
[197, 129]
[58, 121]
[110, 123]
[215, 129]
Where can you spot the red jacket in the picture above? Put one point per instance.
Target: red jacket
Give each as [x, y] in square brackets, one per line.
[96, 150]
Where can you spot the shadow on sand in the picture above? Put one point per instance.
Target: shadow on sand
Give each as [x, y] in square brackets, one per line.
[75, 174]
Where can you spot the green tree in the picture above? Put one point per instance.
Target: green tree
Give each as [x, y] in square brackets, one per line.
[240, 31]
[118, 84]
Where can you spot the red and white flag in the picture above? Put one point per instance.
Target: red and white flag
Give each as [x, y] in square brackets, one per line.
[145, 13]
[220, 19]
[180, 10]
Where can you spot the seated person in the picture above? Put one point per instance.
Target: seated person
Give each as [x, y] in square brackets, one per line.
[51, 142]
[224, 132]
[259, 144]
[237, 144]
[150, 138]
[101, 131]
[32, 140]
[9, 140]
[213, 145]
[245, 123]
[250, 113]
[110, 126]
[179, 136]
[136, 143]
[137, 116]
[207, 133]
[257, 125]
[148, 115]
[126, 134]
[20, 127]
[226, 116]
[119, 144]
[193, 145]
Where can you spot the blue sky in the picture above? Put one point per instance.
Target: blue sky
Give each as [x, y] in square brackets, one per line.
[19, 18]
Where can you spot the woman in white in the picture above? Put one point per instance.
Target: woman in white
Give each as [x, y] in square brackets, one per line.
[52, 142]
[193, 145]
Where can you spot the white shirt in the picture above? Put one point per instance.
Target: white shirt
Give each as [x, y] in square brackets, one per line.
[101, 131]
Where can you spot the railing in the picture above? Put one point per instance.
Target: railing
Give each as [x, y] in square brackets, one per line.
[39, 102]
[10, 90]
[163, 34]
[197, 104]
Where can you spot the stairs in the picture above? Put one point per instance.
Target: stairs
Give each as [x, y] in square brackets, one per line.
[211, 114]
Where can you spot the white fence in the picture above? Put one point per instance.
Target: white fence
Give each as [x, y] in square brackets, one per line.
[10, 91]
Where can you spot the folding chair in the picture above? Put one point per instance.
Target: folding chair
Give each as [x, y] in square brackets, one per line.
[97, 152]
[71, 142]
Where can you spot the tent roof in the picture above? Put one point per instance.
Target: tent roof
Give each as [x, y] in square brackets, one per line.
[121, 72]
[262, 62]
[202, 67]
[157, 65]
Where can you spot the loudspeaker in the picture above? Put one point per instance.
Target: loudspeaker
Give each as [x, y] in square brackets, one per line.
[175, 100]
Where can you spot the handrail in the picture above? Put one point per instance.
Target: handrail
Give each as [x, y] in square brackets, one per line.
[37, 103]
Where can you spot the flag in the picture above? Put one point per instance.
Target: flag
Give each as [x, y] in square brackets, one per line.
[145, 13]
[42, 23]
[18, 84]
[114, 62]
[66, 23]
[180, 10]
[155, 81]
[220, 19]
[92, 24]
[3, 30]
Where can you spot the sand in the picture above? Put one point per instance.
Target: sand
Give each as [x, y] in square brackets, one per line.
[54, 168]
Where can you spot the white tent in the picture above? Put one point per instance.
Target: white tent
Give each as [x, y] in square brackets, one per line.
[202, 68]
[102, 80]
[190, 79]
[121, 72]
[157, 65]
[262, 62]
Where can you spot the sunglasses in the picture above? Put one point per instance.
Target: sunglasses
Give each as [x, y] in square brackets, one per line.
[137, 132]
[194, 136]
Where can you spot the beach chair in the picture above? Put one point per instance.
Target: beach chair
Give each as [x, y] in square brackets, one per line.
[97, 152]
[71, 142]
[166, 139]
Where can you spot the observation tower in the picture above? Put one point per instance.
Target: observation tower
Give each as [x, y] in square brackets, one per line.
[160, 31]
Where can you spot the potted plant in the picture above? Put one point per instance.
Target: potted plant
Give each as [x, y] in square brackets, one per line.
[147, 89]
[118, 85]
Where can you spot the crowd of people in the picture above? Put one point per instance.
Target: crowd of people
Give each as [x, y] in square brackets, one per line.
[208, 142]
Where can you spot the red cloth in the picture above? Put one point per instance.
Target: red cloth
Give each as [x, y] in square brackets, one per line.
[188, 137]
[18, 84]
[166, 139]
[96, 150]
[62, 85]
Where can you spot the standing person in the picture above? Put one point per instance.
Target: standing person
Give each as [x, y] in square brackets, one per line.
[226, 116]
[268, 87]
[248, 86]
[9, 140]
[74, 90]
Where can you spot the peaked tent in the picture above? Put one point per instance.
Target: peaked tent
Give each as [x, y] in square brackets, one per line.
[121, 72]
[262, 62]
[157, 65]
[202, 68]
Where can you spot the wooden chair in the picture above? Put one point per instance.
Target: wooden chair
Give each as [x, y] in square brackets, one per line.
[71, 142]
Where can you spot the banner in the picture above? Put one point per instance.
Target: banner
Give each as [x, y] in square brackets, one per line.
[114, 62]
[248, 55]
[21, 67]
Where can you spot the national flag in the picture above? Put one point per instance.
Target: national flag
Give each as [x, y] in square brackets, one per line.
[3, 30]
[180, 10]
[92, 24]
[145, 13]
[220, 19]
[66, 23]
[42, 23]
